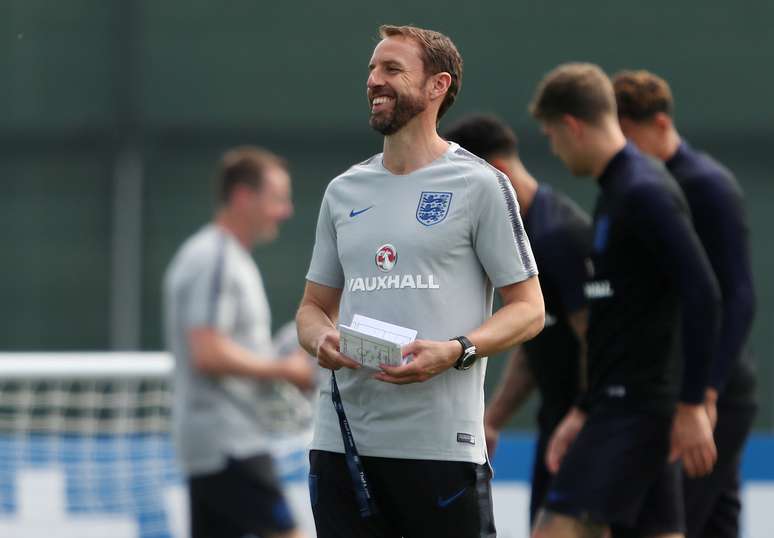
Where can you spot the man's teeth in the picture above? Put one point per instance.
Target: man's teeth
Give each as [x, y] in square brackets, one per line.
[381, 100]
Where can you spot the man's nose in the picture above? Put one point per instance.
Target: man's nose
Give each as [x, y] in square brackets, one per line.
[374, 79]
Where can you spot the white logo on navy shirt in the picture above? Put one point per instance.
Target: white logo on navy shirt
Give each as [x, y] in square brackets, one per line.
[615, 391]
[599, 289]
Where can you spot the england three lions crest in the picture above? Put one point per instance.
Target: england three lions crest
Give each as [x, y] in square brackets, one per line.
[433, 207]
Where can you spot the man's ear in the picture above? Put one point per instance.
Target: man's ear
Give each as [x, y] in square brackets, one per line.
[440, 83]
[662, 121]
[240, 195]
[500, 164]
[573, 124]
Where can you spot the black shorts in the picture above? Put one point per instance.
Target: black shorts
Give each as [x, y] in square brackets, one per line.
[616, 473]
[712, 502]
[414, 498]
[244, 498]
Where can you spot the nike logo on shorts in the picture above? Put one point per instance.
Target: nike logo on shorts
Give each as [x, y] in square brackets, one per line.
[443, 503]
[354, 213]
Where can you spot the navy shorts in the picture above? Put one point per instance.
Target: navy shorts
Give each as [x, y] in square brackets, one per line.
[243, 499]
[414, 498]
[616, 473]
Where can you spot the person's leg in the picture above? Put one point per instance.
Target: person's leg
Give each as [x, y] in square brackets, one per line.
[541, 478]
[724, 519]
[334, 504]
[554, 525]
[663, 510]
[713, 502]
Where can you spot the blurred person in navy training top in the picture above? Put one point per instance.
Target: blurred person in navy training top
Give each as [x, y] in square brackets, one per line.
[227, 376]
[653, 300]
[645, 111]
[560, 235]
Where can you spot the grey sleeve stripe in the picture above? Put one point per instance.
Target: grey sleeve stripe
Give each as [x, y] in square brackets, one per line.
[519, 234]
[217, 281]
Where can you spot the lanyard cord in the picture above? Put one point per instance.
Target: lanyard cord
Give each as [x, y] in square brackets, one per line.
[363, 495]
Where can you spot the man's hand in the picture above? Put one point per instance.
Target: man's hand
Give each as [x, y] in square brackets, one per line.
[297, 369]
[492, 436]
[430, 359]
[328, 355]
[711, 406]
[692, 440]
[563, 437]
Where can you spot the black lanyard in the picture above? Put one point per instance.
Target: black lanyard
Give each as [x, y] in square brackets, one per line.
[363, 495]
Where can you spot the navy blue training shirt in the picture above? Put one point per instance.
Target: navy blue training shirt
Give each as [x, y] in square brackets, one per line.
[560, 235]
[717, 206]
[653, 297]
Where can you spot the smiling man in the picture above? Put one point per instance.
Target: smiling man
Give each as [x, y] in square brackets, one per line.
[419, 236]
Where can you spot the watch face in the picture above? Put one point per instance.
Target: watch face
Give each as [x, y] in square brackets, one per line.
[468, 361]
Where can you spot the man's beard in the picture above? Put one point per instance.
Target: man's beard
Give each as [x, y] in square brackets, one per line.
[404, 109]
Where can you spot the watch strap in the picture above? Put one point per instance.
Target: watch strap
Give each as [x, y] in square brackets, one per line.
[466, 346]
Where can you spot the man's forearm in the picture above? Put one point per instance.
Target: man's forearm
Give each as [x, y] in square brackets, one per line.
[215, 354]
[511, 325]
[516, 384]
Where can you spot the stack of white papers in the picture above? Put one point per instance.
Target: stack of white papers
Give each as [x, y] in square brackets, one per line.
[372, 342]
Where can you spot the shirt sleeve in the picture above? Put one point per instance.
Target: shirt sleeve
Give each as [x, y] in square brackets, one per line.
[325, 267]
[212, 300]
[722, 227]
[498, 232]
[664, 225]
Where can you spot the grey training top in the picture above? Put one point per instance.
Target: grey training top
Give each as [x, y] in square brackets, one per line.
[214, 282]
[422, 250]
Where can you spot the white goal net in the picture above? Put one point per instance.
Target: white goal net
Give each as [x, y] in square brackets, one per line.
[85, 448]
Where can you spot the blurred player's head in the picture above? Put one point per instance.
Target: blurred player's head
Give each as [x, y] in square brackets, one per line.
[575, 105]
[485, 136]
[645, 108]
[254, 192]
[491, 139]
[412, 71]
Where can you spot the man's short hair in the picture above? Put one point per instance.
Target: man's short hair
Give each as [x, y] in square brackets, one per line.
[439, 55]
[581, 90]
[484, 135]
[244, 165]
[641, 95]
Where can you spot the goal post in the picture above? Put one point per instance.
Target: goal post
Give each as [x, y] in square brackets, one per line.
[86, 448]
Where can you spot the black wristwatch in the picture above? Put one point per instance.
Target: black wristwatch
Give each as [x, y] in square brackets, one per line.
[468, 356]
